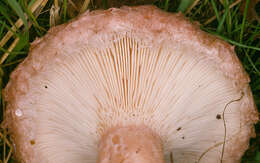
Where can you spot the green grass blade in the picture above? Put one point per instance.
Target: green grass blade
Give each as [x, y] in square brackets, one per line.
[215, 9]
[244, 20]
[166, 5]
[221, 23]
[229, 23]
[17, 8]
[231, 41]
[252, 64]
[5, 13]
[33, 19]
[184, 5]
[105, 4]
[239, 44]
[2, 31]
[9, 28]
[22, 43]
[64, 10]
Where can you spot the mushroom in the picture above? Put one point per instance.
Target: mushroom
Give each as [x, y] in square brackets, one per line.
[134, 84]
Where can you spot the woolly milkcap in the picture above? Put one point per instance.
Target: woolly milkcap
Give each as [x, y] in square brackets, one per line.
[134, 84]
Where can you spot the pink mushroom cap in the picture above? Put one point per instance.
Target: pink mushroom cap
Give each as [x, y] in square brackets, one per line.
[134, 69]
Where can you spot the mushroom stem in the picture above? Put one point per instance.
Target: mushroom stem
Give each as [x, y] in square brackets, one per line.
[130, 144]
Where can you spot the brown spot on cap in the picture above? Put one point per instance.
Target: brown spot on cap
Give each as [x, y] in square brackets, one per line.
[32, 142]
[218, 116]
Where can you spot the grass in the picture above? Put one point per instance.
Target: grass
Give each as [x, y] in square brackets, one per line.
[22, 21]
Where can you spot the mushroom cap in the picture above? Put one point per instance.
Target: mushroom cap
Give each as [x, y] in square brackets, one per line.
[130, 66]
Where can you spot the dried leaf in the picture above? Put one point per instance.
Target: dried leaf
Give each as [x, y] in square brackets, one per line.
[73, 9]
[76, 7]
[251, 13]
[55, 18]
[84, 6]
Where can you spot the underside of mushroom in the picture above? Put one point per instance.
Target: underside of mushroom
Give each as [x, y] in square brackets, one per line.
[134, 84]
